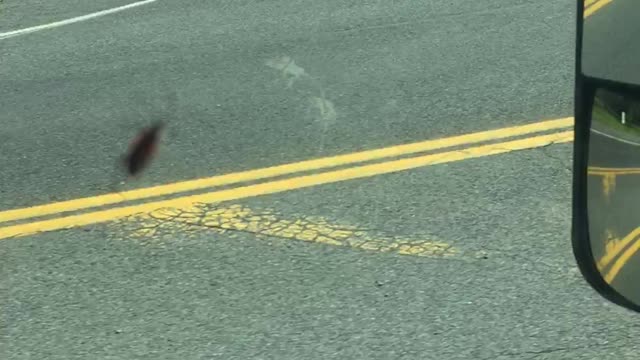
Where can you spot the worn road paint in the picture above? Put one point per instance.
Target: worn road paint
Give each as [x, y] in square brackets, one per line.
[286, 169]
[608, 185]
[274, 187]
[592, 6]
[169, 224]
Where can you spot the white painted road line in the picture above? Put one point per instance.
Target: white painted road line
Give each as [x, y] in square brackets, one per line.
[615, 138]
[56, 24]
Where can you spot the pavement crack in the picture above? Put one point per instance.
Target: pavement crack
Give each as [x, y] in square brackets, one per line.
[545, 151]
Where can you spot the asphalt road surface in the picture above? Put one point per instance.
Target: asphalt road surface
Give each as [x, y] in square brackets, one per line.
[466, 259]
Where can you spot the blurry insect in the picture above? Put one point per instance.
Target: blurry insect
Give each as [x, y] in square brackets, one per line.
[144, 146]
[142, 149]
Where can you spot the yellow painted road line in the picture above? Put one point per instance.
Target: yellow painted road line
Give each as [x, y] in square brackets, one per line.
[595, 6]
[162, 226]
[264, 173]
[615, 248]
[588, 3]
[620, 262]
[612, 171]
[357, 172]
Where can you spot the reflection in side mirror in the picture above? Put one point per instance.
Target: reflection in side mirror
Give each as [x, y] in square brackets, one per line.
[606, 186]
[613, 179]
[609, 40]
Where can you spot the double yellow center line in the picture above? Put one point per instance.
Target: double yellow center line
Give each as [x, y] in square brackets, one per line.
[617, 255]
[355, 171]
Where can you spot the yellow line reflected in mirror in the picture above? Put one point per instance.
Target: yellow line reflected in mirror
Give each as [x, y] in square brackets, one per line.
[594, 5]
[602, 171]
[616, 247]
[624, 258]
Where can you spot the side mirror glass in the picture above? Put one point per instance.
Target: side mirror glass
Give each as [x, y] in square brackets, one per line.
[613, 187]
[606, 213]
